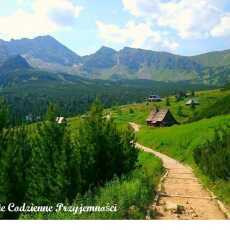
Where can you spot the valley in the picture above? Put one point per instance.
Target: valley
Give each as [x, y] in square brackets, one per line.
[91, 153]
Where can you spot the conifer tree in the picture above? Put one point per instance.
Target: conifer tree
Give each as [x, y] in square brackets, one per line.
[4, 114]
[167, 102]
[48, 164]
[105, 151]
[51, 113]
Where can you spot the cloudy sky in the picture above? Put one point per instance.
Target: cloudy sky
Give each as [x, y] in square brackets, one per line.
[186, 27]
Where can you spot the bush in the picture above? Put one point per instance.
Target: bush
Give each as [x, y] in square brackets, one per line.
[131, 110]
[214, 156]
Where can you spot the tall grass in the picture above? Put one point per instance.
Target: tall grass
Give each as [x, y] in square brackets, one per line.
[132, 194]
[179, 141]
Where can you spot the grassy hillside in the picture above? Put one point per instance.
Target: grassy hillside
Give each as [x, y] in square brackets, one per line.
[213, 59]
[132, 194]
[179, 141]
[217, 107]
[183, 114]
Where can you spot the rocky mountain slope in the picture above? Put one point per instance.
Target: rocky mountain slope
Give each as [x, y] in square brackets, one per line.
[46, 53]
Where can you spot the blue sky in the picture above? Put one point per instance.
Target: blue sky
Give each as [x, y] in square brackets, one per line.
[185, 27]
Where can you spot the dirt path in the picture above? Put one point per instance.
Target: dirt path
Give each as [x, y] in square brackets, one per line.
[135, 126]
[182, 196]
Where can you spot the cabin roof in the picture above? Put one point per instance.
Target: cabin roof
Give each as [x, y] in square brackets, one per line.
[192, 101]
[157, 116]
[60, 120]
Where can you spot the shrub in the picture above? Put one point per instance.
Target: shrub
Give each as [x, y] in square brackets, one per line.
[167, 102]
[214, 156]
[131, 110]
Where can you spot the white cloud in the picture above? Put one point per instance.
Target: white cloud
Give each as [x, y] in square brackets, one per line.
[136, 35]
[182, 19]
[223, 28]
[46, 16]
[188, 18]
[141, 7]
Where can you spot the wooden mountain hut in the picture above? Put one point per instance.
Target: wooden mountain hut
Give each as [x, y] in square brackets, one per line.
[60, 120]
[192, 102]
[162, 117]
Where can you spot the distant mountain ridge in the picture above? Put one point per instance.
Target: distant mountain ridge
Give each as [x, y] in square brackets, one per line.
[45, 48]
[46, 53]
[13, 63]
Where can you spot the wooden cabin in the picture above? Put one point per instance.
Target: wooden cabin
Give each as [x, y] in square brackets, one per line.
[192, 102]
[161, 118]
[60, 120]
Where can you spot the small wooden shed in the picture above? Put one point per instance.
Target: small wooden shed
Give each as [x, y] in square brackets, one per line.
[60, 120]
[192, 102]
[162, 117]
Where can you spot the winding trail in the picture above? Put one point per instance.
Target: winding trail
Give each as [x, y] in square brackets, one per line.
[181, 196]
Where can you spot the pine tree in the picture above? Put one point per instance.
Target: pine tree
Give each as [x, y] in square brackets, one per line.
[13, 163]
[51, 113]
[48, 164]
[4, 114]
[167, 101]
[4, 143]
[105, 151]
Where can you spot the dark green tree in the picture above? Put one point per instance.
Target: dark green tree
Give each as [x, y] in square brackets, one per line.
[193, 93]
[105, 151]
[193, 105]
[180, 111]
[51, 113]
[167, 101]
[4, 113]
[14, 165]
[48, 164]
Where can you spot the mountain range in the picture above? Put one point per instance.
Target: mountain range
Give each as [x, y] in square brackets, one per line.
[46, 54]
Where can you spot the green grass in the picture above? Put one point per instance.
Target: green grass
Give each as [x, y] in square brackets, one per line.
[219, 107]
[179, 142]
[133, 194]
[139, 112]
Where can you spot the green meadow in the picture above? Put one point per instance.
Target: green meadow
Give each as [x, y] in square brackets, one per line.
[179, 141]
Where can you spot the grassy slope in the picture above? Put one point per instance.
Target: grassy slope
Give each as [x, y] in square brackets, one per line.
[222, 106]
[139, 112]
[179, 141]
[132, 194]
[214, 58]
